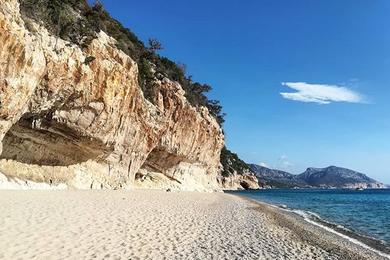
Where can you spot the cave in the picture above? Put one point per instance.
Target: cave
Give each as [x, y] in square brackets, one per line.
[245, 185]
[47, 142]
[161, 161]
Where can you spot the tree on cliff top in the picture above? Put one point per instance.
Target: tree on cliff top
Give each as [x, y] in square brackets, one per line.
[154, 45]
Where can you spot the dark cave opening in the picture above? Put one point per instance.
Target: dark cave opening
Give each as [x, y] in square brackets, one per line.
[245, 185]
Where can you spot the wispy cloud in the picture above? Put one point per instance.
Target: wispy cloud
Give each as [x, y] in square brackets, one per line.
[321, 93]
[264, 164]
[284, 163]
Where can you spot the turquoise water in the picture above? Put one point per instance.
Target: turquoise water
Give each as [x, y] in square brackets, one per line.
[365, 212]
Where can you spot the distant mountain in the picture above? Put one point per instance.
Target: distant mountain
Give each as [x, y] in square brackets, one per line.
[329, 177]
[275, 178]
[333, 176]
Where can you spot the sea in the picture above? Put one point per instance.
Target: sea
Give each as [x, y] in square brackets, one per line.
[362, 215]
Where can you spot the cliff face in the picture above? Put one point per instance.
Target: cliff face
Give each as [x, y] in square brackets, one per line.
[239, 181]
[78, 116]
[236, 174]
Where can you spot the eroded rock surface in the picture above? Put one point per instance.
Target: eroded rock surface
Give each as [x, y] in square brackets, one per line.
[242, 181]
[87, 124]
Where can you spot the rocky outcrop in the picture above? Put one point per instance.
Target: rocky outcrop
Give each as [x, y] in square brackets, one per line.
[235, 173]
[78, 116]
[242, 181]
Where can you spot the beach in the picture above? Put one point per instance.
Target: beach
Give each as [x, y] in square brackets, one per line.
[152, 224]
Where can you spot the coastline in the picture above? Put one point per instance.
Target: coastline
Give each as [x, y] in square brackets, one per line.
[151, 224]
[345, 243]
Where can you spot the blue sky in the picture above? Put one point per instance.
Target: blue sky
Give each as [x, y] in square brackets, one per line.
[330, 51]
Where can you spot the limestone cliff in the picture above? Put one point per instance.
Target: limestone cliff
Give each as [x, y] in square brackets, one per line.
[236, 174]
[239, 181]
[78, 116]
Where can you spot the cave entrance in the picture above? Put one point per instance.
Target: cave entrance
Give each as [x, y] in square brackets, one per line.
[244, 185]
[159, 162]
[49, 143]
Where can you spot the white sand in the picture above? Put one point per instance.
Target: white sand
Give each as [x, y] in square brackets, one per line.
[138, 224]
[17, 184]
[142, 225]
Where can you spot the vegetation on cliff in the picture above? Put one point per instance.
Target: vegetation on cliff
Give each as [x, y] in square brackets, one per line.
[78, 22]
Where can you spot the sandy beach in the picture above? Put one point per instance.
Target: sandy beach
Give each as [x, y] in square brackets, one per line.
[147, 224]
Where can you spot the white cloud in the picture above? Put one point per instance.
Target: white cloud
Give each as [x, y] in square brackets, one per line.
[284, 163]
[263, 164]
[321, 93]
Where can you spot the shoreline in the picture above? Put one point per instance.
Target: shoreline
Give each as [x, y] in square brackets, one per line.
[369, 242]
[332, 232]
[150, 224]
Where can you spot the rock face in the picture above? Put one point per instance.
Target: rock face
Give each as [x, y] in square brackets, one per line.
[235, 173]
[87, 124]
[239, 181]
[329, 177]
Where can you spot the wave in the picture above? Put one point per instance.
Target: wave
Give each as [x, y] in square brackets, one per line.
[366, 242]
